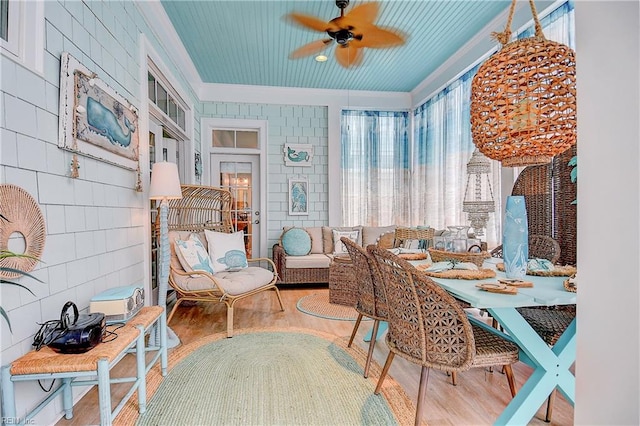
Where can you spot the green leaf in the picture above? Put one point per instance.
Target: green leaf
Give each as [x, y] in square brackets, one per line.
[573, 161]
[3, 281]
[6, 318]
[574, 175]
[18, 271]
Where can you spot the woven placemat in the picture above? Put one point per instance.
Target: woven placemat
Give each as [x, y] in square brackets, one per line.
[558, 271]
[460, 274]
[413, 256]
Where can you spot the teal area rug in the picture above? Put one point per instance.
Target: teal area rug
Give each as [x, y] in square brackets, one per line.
[270, 378]
[318, 305]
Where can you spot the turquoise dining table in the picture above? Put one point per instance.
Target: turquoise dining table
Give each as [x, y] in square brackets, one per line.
[550, 364]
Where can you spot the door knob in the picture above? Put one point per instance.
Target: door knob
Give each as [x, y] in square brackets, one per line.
[257, 221]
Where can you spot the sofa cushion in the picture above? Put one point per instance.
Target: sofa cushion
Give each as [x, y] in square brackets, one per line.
[192, 254]
[327, 236]
[296, 242]
[226, 250]
[370, 234]
[338, 246]
[317, 245]
[308, 261]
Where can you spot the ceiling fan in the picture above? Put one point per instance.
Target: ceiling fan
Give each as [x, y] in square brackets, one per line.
[352, 32]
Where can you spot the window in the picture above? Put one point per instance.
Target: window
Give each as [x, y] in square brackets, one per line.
[442, 142]
[167, 101]
[375, 168]
[235, 139]
[21, 31]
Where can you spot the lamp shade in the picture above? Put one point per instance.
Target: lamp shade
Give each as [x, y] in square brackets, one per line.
[165, 182]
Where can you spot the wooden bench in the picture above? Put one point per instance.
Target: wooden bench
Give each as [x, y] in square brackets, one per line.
[47, 364]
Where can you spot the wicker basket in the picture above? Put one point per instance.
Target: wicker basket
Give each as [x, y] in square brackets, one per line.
[523, 99]
[441, 256]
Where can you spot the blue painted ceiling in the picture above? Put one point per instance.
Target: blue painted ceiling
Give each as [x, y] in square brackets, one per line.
[248, 42]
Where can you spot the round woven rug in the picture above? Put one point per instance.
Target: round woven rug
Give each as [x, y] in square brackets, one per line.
[269, 377]
[318, 305]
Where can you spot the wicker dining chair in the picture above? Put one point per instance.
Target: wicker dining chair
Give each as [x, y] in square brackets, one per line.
[402, 234]
[540, 247]
[429, 328]
[371, 301]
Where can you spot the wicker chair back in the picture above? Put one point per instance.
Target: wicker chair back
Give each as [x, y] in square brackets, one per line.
[426, 325]
[200, 208]
[371, 300]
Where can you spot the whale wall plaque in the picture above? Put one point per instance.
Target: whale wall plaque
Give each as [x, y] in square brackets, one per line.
[298, 154]
[95, 121]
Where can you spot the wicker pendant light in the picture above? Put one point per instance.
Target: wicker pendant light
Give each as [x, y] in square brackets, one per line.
[478, 196]
[523, 99]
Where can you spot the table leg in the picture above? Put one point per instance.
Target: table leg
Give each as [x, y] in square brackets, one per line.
[8, 395]
[67, 398]
[551, 366]
[141, 371]
[104, 392]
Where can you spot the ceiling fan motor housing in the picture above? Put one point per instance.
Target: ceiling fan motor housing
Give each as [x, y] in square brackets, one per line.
[342, 3]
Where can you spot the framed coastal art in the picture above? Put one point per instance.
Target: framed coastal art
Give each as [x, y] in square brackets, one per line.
[298, 154]
[95, 121]
[298, 196]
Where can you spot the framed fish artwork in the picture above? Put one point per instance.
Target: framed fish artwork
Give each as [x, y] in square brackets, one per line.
[298, 196]
[298, 154]
[96, 121]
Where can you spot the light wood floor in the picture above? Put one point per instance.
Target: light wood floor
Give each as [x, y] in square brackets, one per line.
[478, 399]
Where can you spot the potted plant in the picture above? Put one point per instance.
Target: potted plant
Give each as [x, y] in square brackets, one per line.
[5, 254]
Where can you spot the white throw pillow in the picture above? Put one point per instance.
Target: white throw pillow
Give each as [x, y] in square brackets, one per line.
[227, 250]
[338, 246]
[192, 255]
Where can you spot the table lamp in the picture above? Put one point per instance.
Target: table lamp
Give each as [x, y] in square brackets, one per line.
[165, 185]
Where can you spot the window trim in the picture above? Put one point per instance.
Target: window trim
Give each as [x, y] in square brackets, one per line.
[26, 39]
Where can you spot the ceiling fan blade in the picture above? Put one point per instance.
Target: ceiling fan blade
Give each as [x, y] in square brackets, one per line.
[363, 14]
[376, 37]
[310, 49]
[349, 55]
[308, 21]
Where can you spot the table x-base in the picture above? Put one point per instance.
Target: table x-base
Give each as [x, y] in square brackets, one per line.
[551, 366]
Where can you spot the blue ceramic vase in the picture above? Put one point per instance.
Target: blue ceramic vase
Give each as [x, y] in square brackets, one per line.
[515, 238]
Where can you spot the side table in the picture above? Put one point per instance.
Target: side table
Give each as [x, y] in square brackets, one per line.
[47, 364]
[343, 288]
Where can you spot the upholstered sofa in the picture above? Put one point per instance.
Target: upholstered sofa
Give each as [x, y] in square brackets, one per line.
[297, 267]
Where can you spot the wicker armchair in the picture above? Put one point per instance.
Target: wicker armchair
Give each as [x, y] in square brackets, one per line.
[540, 247]
[428, 327]
[207, 208]
[371, 301]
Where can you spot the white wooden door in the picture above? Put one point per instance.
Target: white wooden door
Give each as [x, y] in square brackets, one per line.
[240, 174]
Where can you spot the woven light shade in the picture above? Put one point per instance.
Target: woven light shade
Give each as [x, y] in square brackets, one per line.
[523, 99]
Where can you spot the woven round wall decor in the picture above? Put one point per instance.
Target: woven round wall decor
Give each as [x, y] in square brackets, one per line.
[523, 99]
[23, 216]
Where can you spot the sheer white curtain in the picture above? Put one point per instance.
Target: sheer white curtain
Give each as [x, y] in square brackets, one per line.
[375, 168]
[442, 144]
[442, 147]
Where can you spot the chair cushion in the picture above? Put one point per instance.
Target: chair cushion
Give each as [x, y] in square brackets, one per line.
[296, 242]
[226, 250]
[233, 283]
[192, 255]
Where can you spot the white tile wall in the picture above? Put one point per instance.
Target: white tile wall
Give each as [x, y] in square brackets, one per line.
[95, 224]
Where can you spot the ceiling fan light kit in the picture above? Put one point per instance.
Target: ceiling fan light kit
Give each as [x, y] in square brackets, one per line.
[351, 31]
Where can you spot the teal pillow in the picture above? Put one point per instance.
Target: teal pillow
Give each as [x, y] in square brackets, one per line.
[296, 242]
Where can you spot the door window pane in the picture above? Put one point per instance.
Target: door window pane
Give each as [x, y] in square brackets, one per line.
[4, 19]
[151, 87]
[162, 98]
[223, 139]
[246, 139]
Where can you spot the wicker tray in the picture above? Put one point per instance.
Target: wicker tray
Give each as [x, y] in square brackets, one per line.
[558, 271]
[461, 274]
[441, 256]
